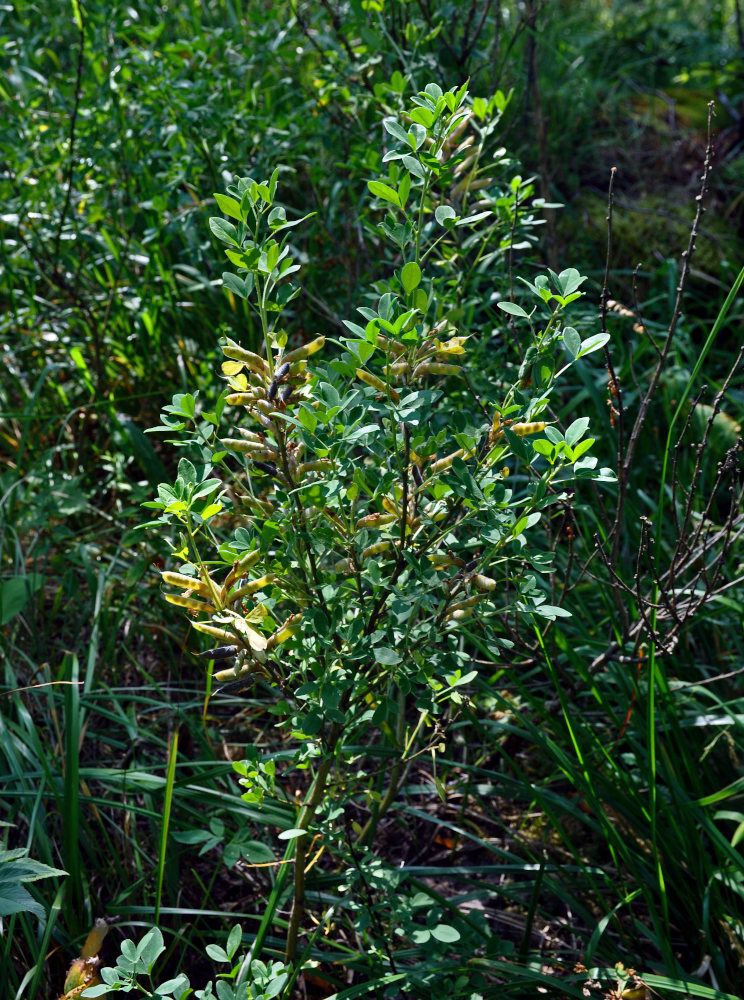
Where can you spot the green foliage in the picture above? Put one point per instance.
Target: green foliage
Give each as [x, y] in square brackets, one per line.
[378, 539]
[16, 869]
[551, 788]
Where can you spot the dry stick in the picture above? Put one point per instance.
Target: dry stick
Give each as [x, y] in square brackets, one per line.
[303, 823]
[73, 121]
[533, 86]
[666, 347]
[468, 46]
[614, 383]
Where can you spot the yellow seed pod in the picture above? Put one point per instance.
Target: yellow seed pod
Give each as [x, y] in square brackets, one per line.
[468, 602]
[265, 406]
[190, 603]
[249, 359]
[399, 368]
[532, 428]
[373, 550]
[249, 667]
[445, 463]
[390, 506]
[466, 163]
[436, 512]
[377, 383]
[284, 632]
[252, 436]
[238, 570]
[441, 561]
[216, 633]
[376, 520]
[303, 352]
[319, 465]
[252, 587]
[434, 368]
[344, 566]
[187, 583]
[393, 346]
[460, 614]
[257, 449]
[242, 398]
[484, 582]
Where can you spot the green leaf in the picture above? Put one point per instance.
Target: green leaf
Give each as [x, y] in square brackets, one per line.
[292, 834]
[224, 231]
[410, 276]
[444, 213]
[572, 341]
[576, 430]
[395, 129]
[234, 284]
[15, 593]
[385, 192]
[513, 309]
[423, 116]
[217, 953]
[593, 344]
[387, 656]
[229, 206]
[445, 933]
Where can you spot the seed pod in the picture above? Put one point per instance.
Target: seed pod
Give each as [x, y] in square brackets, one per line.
[378, 384]
[186, 583]
[242, 398]
[467, 162]
[376, 520]
[190, 603]
[284, 632]
[286, 392]
[252, 587]
[441, 561]
[268, 467]
[399, 368]
[260, 439]
[249, 667]
[219, 653]
[460, 614]
[417, 476]
[465, 144]
[258, 449]
[249, 359]
[319, 465]
[305, 351]
[468, 602]
[216, 633]
[239, 568]
[532, 428]
[445, 463]
[282, 371]
[271, 391]
[434, 368]
[393, 346]
[484, 582]
[265, 406]
[373, 550]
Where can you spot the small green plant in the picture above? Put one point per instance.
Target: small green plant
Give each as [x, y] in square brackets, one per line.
[250, 980]
[381, 509]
